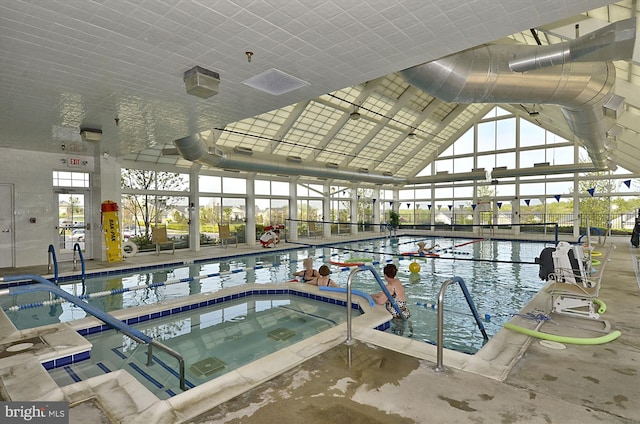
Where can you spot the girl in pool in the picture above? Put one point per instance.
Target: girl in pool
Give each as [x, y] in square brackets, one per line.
[308, 273]
[396, 289]
[323, 279]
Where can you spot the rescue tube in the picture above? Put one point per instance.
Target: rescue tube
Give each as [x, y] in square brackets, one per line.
[346, 263]
[353, 291]
[564, 339]
[354, 260]
[129, 249]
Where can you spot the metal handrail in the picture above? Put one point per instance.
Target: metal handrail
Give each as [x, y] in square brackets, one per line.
[355, 270]
[42, 284]
[52, 258]
[76, 247]
[440, 341]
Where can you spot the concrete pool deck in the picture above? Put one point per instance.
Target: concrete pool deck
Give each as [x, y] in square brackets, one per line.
[512, 379]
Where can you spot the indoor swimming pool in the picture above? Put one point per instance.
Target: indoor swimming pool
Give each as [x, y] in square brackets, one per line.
[213, 340]
[501, 276]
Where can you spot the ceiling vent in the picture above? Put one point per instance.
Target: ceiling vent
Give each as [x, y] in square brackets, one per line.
[331, 165]
[201, 82]
[294, 159]
[275, 82]
[90, 134]
[243, 150]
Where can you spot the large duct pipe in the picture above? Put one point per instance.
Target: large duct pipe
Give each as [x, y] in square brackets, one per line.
[195, 149]
[612, 42]
[483, 75]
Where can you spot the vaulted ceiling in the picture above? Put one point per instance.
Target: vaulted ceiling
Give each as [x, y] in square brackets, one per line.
[118, 66]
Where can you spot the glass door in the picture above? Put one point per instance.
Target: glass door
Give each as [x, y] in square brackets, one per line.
[71, 210]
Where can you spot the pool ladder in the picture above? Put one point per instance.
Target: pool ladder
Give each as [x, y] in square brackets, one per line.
[76, 248]
[353, 272]
[440, 342]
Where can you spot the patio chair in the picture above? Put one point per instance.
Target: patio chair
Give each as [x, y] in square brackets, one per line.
[160, 239]
[225, 234]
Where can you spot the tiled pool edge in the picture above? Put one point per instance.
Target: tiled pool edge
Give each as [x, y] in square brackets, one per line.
[178, 306]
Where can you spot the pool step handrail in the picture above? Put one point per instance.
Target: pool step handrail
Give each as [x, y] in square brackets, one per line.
[440, 341]
[349, 294]
[42, 284]
[53, 261]
[77, 248]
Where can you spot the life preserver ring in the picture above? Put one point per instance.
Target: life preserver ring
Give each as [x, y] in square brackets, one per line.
[129, 249]
[595, 262]
[596, 253]
[346, 263]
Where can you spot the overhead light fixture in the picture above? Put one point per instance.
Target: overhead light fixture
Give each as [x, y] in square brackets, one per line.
[411, 135]
[354, 116]
[90, 134]
[201, 82]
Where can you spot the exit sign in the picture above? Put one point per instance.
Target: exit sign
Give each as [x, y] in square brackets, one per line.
[74, 162]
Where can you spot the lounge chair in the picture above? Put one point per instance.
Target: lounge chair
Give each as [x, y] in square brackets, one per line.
[160, 239]
[573, 290]
[225, 234]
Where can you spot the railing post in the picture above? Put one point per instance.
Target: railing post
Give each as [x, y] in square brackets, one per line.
[440, 338]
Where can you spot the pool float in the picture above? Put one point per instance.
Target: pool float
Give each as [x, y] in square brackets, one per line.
[595, 262]
[357, 260]
[353, 291]
[346, 263]
[564, 339]
[596, 253]
[421, 255]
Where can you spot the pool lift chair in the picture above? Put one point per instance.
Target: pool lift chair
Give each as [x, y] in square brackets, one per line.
[573, 290]
[160, 239]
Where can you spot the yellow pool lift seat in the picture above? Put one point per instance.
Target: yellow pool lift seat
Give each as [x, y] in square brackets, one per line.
[160, 239]
[575, 291]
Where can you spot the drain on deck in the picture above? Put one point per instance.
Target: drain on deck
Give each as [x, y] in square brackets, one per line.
[281, 334]
[207, 367]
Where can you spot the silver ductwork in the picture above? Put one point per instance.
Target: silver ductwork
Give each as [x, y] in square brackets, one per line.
[612, 42]
[195, 149]
[584, 90]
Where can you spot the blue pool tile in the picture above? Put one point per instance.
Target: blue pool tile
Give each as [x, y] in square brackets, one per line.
[49, 365]
[165, 313]
[145, 375]
[185, 308]
[202, 304]
[227, 298]
[83, 331]
[175, 311]
[133, 320]
[144, 318]
[103, 367]
[156, 315]
[82, 356]
[235, 296]
[211, 302]
[65, 360]
[72, 374]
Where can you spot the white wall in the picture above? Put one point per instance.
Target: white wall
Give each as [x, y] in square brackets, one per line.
[31, 175]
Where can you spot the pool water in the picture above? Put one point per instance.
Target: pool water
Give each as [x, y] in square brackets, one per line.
[500, 275]
[212, 340]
